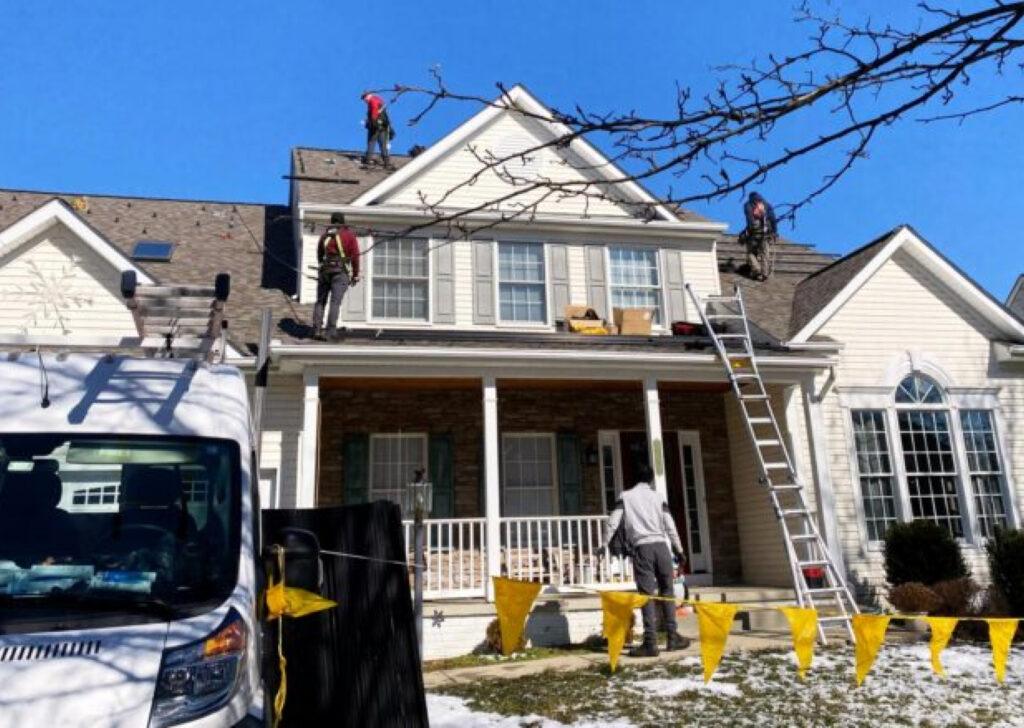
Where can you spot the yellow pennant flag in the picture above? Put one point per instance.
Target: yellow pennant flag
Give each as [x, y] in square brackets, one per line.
[292, 602]
[1000, 634]
[714, 621]
[513, 599]
[868, 633]
[803, 623]
[618, 612]
[942, 629]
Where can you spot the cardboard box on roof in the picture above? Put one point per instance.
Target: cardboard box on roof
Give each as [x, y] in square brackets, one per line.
[633, 321]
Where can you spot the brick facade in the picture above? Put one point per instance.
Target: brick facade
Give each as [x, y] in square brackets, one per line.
[583, 411]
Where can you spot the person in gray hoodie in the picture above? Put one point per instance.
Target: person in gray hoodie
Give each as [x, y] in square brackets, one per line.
[649, 534]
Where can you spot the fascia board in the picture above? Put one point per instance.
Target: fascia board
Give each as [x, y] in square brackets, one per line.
[55, 211]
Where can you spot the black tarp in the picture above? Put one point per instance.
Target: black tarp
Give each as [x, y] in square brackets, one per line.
[357, 664]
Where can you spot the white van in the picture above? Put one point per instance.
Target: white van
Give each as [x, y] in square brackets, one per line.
[129, 539]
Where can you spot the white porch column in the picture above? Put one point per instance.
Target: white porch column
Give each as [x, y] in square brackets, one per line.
[305, 496]
[492, 477]
[826, 497]
[655, 444]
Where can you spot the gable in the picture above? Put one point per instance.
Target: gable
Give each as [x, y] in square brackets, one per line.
[507, 134]
[55, 283]
[1016, 300]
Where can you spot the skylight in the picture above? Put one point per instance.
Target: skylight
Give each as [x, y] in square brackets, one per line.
[156, 250]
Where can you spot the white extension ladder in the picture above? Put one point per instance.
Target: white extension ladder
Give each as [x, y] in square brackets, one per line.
[725, 320]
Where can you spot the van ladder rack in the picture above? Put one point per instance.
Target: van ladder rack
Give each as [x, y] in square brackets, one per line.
[805, 547]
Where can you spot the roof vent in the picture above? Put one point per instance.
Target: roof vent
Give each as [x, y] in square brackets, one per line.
[416, 150]
[153, 250]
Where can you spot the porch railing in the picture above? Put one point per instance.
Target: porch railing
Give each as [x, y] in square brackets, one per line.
[560, 551]
[455, 555]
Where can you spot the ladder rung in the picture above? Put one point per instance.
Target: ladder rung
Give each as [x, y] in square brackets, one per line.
[786, 486]
[827, 590]
[759, 420]
[725, 316]
[174, 312]
[787, 512]
[753, 396]
[776, 466]
[803, 537]
[731, 336]
[720, 297]
[816, 562]
[201, 321]
[744, 375]
[835, 618]
[768, 443]
[166, 291]
[177, 342]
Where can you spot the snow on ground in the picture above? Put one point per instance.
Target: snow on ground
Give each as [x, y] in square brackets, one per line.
[752, 689]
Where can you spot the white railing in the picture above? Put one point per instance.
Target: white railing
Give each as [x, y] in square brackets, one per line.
[560, 551]
[455, 556]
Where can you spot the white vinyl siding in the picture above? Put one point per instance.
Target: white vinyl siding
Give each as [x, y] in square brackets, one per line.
[522, 283]
[401, 280]
[635, 279]
[281, 437]
[528, 475]
[394, 460]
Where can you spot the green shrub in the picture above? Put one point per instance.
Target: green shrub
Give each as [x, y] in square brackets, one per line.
[1006, 567]
[921, 551]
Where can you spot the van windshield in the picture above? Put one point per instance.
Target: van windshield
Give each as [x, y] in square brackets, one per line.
[99, 525]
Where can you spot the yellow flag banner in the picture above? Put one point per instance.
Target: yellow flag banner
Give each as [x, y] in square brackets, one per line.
[714, 622]
[1000, 634]
[803, 623]
[292, 602]
[513, 599]
[618, 613]
[868, 633]
[942, 629]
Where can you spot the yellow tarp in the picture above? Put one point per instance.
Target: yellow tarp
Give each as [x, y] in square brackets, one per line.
[942, 629]
[803, 624]
[513, 600]
[618, 611]
[1000, 634]
[869, 633]
[714, 621]
[292, 602]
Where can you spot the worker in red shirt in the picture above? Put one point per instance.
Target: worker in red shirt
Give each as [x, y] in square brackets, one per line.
[337, 254]
[378, 129]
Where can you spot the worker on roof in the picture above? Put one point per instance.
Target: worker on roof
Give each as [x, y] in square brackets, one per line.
[378, 129]
[337, 254]
[759, 236]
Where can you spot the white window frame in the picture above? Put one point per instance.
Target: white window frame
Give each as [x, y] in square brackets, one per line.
[555, 499]
[379, 436]
[956, 399]
[548, 321]
[660, 288]
[691, 439]
[368, 281]
[609, 439]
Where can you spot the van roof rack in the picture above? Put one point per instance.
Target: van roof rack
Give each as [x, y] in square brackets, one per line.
[171, 322]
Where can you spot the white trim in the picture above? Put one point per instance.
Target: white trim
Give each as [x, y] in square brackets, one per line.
[492, 482]
[655, 438]
[56, 211]
[923, 253]
[609, 438]
[308, 462]
[548, 323]
[820, 458]
[664, 324]
[375, 321]
[691, 438]
[516, 98]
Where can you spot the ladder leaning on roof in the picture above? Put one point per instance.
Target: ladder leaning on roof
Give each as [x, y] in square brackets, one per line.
[805, 547]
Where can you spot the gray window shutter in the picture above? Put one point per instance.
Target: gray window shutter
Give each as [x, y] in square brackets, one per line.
[672, 267]
[570, 474]
[483, 283]
[444, 283]
[353, 306]
[355, 462]
[441, 460]
[559, 277]
[597, 282]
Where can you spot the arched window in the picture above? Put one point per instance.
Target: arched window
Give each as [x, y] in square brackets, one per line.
[919, 389]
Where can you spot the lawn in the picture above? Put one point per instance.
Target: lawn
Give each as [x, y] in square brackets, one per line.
[750, 689]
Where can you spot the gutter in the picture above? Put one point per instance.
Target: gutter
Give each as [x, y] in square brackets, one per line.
[815, 346]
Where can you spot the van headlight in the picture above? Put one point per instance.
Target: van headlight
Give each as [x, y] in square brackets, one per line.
[200, 677]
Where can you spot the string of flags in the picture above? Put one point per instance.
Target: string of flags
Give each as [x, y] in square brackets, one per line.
[514, 600]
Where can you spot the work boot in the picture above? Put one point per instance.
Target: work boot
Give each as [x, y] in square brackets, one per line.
[676, 642]
[318, 333]
[648, 648]
[336, 334]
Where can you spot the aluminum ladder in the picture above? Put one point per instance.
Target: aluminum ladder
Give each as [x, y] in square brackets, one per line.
[725, 320]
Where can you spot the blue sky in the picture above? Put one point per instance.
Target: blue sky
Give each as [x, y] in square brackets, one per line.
[204, 99]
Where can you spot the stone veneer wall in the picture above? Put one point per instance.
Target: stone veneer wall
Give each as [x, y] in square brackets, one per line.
[584, 411]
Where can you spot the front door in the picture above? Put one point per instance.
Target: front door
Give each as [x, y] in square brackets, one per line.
[684, 479]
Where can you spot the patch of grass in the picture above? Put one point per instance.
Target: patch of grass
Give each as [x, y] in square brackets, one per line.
[491, 658]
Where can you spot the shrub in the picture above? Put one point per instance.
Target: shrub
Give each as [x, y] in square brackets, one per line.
[921, 551]
[913, 598]
[958, 597]
[1006, 567]
[493, 639]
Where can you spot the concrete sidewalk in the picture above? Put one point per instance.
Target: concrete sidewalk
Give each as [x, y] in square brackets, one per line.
[584, 660]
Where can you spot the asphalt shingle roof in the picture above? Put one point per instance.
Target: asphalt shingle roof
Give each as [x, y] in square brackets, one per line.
[335, 176]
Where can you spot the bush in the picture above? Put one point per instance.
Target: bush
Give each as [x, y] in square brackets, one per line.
[958, 597]
[493, 638]
[1006, 568]
[913, 598]
[921, 551]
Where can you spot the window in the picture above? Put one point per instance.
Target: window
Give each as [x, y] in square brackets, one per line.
[985, 470]
[875, 469]
[153, 250]
[521, 282]
[635, 279]
[401, 280]
[931, 471]
[394, 460]
[528, 475]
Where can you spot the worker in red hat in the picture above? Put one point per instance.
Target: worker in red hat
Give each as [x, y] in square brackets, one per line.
[378, 129]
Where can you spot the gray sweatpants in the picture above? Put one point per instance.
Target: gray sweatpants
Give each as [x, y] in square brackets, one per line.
[652, 568]
[332, 287]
